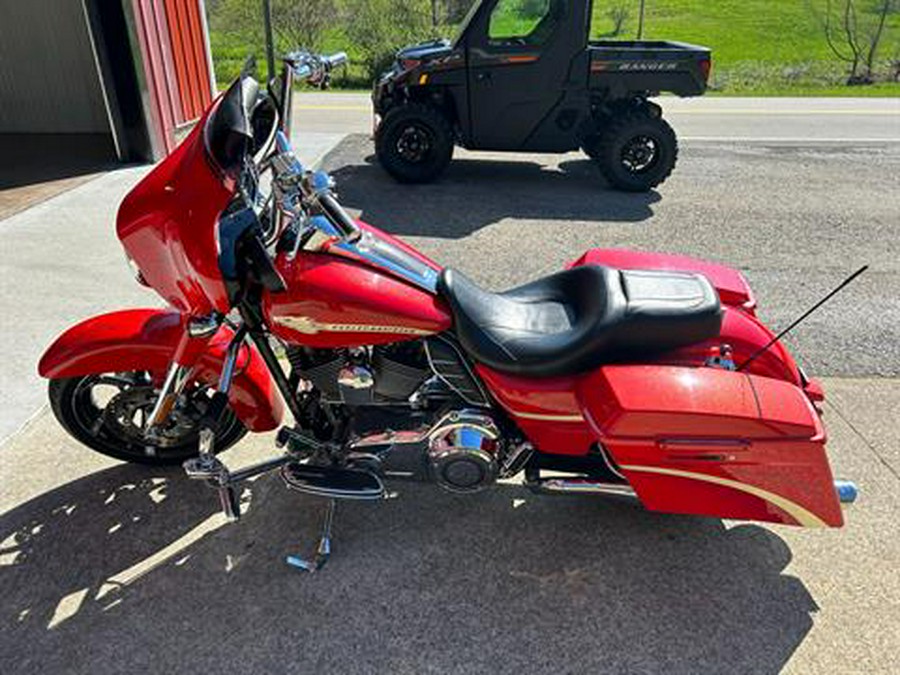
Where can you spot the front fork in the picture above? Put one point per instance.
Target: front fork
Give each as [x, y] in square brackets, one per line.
[206, 466]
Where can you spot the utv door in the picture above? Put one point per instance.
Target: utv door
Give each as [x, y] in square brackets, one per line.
[522, 58]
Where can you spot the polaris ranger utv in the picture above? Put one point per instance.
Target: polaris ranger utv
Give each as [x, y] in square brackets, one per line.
[524, 75]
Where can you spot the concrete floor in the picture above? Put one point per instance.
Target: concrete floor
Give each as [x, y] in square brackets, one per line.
[107, 568]
[36, 167]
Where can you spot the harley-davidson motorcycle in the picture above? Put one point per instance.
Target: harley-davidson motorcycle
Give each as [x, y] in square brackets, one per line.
[632, 375]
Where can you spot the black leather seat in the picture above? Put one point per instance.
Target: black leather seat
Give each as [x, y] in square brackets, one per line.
[575, 320]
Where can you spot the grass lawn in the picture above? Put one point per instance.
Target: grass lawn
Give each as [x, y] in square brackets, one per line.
[760, 47]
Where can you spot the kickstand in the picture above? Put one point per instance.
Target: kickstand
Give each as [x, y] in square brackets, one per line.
[324, 549]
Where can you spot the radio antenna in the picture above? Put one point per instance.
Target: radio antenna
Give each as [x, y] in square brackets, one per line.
[796, 323]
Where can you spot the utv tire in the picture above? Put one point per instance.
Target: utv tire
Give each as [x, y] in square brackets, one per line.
[635, 152]
[95, 425]
[414, 143]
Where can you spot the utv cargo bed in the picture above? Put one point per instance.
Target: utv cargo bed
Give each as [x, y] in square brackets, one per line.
[652, 66]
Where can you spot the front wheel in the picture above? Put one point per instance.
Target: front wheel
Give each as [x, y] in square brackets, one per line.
[635, 152]
[109, 412]
[414, 143]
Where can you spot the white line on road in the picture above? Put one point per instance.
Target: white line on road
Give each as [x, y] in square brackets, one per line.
[720, 111]
[787, 139]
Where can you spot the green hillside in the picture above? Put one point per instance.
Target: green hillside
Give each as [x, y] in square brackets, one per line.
[760, 47]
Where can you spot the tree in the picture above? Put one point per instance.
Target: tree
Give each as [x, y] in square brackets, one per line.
[378, 28]
[618, 14]
[854, 36]
[295, 24]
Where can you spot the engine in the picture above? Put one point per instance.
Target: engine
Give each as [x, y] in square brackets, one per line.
[379, 375]
[416, 411]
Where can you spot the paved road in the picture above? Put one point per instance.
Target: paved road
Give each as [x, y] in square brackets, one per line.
[788, 120]
[105, 568]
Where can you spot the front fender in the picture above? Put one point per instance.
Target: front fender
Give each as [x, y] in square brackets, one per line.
[146, 339]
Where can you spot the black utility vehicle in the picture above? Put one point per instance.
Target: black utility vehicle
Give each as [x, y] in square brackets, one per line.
[523, 75]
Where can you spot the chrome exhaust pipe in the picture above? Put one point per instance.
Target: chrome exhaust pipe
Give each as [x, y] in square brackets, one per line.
[847, 491]
[580, 486]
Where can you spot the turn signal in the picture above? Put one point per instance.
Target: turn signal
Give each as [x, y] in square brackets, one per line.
[136, 271]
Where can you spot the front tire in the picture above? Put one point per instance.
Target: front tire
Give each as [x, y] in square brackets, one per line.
[636, 152]
[106, 413]
[414, 143]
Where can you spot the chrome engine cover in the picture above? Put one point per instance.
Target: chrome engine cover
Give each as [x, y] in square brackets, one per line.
[463, 449]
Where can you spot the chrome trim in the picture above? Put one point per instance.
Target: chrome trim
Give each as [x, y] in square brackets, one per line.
[390, 437]
[608, 461]
[464, 436]
[203, 326]
[513, 462]
[356, 376]
[173, 385]
[365, 249]
[584, 486]
[458, 419]
[231, 356]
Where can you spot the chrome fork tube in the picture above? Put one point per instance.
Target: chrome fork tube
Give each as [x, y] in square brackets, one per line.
[231, 356]
[173, 385]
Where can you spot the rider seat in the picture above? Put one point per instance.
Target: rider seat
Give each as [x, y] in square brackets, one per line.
[573, 321]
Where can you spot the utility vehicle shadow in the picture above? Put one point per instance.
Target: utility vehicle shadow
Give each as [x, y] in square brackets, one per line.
[475, 193]
[502, 581]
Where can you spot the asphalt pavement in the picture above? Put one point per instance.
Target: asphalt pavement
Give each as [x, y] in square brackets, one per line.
[106, 567]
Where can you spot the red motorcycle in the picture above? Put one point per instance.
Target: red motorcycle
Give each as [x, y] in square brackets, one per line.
[633, 375]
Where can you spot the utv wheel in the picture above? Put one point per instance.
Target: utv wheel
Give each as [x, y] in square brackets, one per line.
[635, 152]
[108, 414]
[414, 143]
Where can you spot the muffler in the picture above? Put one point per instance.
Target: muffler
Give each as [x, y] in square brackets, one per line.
[847, 491]
[580, 486]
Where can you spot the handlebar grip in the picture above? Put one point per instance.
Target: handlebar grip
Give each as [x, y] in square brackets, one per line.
[336, 59]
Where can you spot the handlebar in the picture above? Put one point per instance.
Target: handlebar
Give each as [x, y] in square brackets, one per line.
[314, 68]
[296, 184]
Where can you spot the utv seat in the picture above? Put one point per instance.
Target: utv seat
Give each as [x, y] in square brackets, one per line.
[573, 321]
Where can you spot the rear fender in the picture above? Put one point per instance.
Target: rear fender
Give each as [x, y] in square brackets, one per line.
[147, 339]
[729, 283]
[741, 329]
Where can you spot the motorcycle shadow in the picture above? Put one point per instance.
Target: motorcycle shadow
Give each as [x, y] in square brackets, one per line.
[475, 193]
[123, 570]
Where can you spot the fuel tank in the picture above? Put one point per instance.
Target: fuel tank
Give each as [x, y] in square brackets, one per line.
[356, 295]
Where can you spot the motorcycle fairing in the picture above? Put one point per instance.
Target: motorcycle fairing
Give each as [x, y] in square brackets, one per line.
[147, 339]
[168, 226]
[713, 442]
